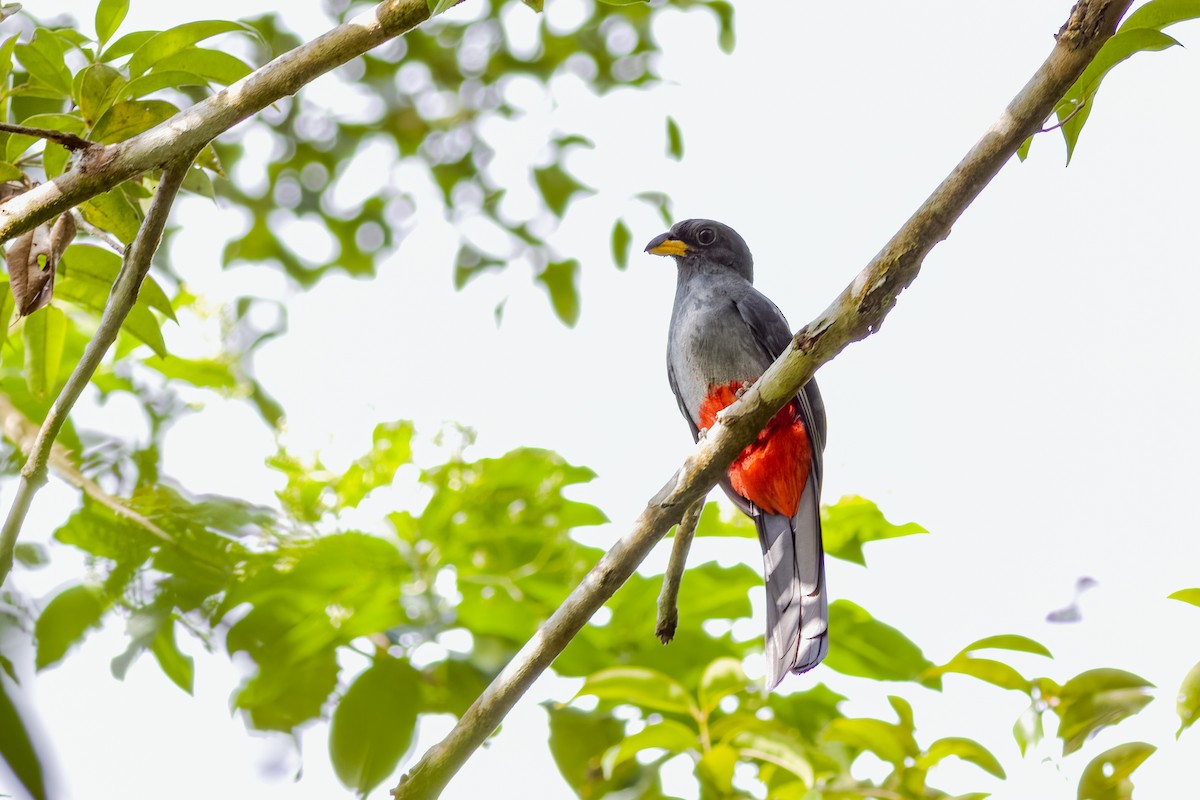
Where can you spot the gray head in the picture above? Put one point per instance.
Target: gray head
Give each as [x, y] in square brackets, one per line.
[705, 240]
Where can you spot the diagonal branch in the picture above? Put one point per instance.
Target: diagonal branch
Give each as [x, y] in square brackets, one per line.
[857, 312]
[120, 300]
[67, 140]
[101, 167]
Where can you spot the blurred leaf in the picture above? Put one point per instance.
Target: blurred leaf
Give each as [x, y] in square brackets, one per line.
[721, 678]
[203, 373]
[985, 669]
[667, 734]
[99, 85]
[1008, 641]
[775, 747]
[18, 143]
[560, 280]
[282, 696]
[718, 521]
[126, 45]
[214, 65]
[557, 187]
[32, 555]
[621, 240]
[109, 16]
[647, 688]
[1028, 731]
[128, 118]
[438, 6]
[98, 265]
[16, 747]
[169, 42]
[674, 139]
[966, 749]
[1186, 596]
[715, 770]
[724, 12]
[374, 723]
[111, 211]
[43, 334]
[86, 291]
[9, 173]
[1158, 14]
[578, 742]
[661, 202]
[65, 620]
[868, 648]
[1187, 704]
[175, 665]
[7, 307]
[807, 712]
[470, 263]
[159, 80]
[1106, 777]
[1095, 699]
[391, 448]
[889, 742]
[851, 522]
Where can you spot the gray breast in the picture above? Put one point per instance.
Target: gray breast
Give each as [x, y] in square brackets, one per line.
[711, 344]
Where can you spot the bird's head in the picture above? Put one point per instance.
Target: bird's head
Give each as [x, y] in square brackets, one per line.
[696, 240]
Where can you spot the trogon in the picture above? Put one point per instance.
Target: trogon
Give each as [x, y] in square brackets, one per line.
[724, 334]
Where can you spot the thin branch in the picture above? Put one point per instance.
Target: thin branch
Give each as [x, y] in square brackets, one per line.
[23, 432]
[102, 167]
[668, 598]
[1067, 118]
[120, 301]
[854, 315]
[113, 242]
[67, 140]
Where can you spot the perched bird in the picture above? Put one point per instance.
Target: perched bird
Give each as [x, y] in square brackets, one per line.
[724, 334]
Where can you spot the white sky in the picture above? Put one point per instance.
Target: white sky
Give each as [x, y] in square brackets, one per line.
[1030, 400]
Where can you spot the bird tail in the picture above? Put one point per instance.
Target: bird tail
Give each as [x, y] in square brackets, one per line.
[797, 607]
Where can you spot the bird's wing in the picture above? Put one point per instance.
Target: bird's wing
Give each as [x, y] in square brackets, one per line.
[679, 399]
[771, 331]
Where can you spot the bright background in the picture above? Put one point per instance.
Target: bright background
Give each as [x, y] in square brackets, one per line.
[1031, 401]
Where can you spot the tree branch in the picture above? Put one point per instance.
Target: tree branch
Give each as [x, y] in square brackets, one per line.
[854, 315]
[67, 140]
[668, 598]
[120, 300]
[102, 167]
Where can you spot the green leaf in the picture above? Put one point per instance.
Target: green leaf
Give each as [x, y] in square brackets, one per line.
[667, 734]
[1158, 14]
[674, 139]
[1008, 641]
[44, 334]
[725, 36]
[560, 279]
[6, 54]
[111, 211]
[171, 41]
[1187, 704]
[578, 742]
[127, 44]
[966, 749]
[438, 6]
[128, 118]
[204, 373]
[31, 555]
[43, 58]
[284, 695]
[721, 678]
[1095, 699]
[621, 240]
[660, 201]
[775, 747]
[1186, 596]
[889, 742]
[868, 648]
[718, 521]
[391, 448]
[1027, 730]
[557, 187]
[91, 294]
[16, 747]
[1106, 777]
[985, 669]
[66, 619]
[853, 521]
[639, 686]
[214, 65]
[374, 723]
[715, 770]
[808, 712]
[1119, 47]
[470, 263]
[88, 262]
[161, 79]
[8, 172]
[7, 306]
[109, 16]
[175, 665]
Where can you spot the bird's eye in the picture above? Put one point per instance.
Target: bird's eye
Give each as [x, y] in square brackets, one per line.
[706, 236]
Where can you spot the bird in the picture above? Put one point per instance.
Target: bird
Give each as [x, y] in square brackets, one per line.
[724, 333]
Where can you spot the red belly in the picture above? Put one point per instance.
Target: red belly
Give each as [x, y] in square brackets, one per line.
[772, 471]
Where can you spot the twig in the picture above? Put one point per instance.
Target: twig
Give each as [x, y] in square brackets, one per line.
[120, 301]
[668, 598]
[22, 432]
[103, 167]
[67, 140]
[1067, 118]
[854, 315]
[113, 242]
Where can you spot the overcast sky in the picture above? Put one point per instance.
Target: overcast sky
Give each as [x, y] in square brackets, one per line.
[1031, 400]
